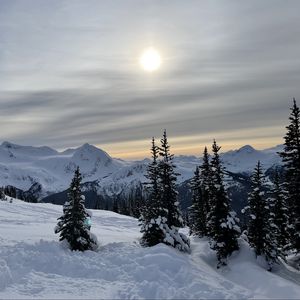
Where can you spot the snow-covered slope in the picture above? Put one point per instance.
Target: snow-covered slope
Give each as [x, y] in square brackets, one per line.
[33, 265]
[22, 166]
[244, 159]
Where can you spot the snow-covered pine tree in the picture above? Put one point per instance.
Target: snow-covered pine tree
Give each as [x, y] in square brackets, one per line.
[71, 224]
[222, 225]
[197, 216]
[279, 212]
[153, 216]
[261, 227]
[168, 197]
[291, 158]
[257, 212]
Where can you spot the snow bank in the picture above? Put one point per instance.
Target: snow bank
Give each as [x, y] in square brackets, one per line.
[255, 276]
[33, 264]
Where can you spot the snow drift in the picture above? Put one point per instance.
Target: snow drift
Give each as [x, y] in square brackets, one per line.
[33, 264]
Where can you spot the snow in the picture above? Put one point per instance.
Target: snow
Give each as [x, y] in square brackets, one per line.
[22, 166]
[33, 264]
[244, 160]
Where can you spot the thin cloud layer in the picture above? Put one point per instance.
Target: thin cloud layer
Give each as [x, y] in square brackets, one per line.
[69, 72]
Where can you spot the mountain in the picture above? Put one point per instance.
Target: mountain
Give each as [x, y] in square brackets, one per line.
[45, 171]
[244, 159]
[23, 166]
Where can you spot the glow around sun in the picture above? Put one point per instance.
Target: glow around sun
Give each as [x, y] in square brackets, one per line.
[150, 60]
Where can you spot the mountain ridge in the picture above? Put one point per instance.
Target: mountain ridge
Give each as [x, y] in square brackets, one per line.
[23, 166]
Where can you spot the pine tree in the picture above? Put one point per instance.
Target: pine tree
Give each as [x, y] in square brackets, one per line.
[261, 229]
[197, 217]
[222, 225]
[98, 202]
[71, 224]
[167, 184]
[115, 206]
[257, 212]
[2, 194]
[291, 159]
[161, 216]
[152, 214]
[206, 185]
[279, 212]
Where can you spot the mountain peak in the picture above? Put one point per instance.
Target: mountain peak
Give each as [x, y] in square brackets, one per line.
[88, 151]
[90, 148]
[246, 149]
[28, 150]
[87, 146]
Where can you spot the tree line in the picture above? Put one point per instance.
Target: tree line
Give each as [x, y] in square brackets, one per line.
[273, 227]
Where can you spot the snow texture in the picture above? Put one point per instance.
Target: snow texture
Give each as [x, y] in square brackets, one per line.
[33, 264]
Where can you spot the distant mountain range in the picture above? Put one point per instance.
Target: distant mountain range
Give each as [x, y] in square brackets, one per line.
[46, 171]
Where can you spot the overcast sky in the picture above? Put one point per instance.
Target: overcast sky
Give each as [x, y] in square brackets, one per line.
[70, 73]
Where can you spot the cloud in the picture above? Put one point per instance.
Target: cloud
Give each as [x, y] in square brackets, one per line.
[69, 70]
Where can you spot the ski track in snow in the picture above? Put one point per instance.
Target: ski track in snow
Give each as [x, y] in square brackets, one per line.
[33, 264]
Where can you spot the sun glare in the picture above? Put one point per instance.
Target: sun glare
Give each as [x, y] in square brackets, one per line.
[150, 60]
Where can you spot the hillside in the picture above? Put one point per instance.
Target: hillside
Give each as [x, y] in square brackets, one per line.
[34, 265]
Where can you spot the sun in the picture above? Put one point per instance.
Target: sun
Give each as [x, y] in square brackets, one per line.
[150, 60]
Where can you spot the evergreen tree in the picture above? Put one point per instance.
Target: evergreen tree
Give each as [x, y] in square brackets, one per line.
[222, 224]
[161, 217]
[205, 178]
[279, 212]
[261, 228]
[2, 194]
[115, 206]
[152, 214]
[98, 202]
[257, 213]
[291, 159]
[71, 224]
[167, 184]
[197, 210]
[206, 185]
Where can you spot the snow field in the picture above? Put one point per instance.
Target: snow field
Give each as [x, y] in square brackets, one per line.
[33, 264]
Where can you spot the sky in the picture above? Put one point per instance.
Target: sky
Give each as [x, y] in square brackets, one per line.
[70, 73]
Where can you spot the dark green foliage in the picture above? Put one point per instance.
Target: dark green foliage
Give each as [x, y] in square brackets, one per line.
[71, 224]
[206, 181]
[222, 222]
[167, 184]
[10, 191]
[2, 194]
[115, 207]
[197, 217]
[152, 210]
[160, 216]
[257, 217]
[279, 212]
[291, 159]
[261, 228]
[99, 202]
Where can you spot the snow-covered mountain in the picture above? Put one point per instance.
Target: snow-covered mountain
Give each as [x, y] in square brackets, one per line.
[244, 159]
[23, 166]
